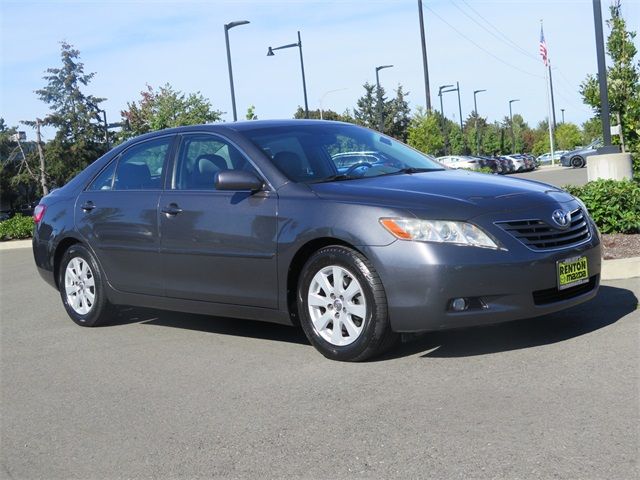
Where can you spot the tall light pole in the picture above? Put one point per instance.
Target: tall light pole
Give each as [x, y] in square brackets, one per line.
[475, 113]
[562, 110]
[304, 81]
[513, 135]
[425, 64]
[227, 27]
[379, 95]
[325, 94]
[602, 75]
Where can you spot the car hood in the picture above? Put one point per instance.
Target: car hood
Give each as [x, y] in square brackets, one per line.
[462, 194]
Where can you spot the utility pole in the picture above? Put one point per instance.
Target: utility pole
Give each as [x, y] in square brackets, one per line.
[562, 110]
[425, 64]
[43, 183]
[459, 105]
[475, 113]
[602, 75]
[513, 135]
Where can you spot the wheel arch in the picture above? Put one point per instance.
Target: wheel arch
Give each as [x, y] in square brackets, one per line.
[62, 247]
[297, 262]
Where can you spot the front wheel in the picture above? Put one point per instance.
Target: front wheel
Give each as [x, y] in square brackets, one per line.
[81, 285]
[343, 305]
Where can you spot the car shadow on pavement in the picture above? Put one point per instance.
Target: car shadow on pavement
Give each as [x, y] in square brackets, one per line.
[610, 305]
[211, 324]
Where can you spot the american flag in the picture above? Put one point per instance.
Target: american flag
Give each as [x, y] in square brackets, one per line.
[543, 48]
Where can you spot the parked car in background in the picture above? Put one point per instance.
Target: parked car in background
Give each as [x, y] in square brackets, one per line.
[519, 163]
[545, 158]
[459, 161]
[578, 158]
[487, 162]
[256, 220]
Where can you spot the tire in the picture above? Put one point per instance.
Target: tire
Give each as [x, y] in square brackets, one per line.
[80, 273]
[577, 162]
[364, 329]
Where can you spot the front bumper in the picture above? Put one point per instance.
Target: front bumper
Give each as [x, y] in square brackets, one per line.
[421, 279]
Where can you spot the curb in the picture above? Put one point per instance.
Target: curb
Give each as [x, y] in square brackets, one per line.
[620, 268]
[15, 244]
[617, 269]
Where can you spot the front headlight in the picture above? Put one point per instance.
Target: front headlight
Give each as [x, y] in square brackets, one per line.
[440, 231]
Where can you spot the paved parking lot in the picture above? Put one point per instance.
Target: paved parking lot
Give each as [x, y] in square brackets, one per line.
[557, 176]
[164, 395]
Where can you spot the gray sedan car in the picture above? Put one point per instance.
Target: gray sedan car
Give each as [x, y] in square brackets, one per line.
[261, 220]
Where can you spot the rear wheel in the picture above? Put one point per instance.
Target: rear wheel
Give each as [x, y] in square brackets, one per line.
[577, 162]
[81, 286]
[343, 306]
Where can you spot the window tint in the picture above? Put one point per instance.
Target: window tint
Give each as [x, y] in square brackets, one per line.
[140, 167]
[201, 157]
[104, 181]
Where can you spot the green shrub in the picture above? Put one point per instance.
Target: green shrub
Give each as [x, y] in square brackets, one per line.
[613, 204]
[16, 227]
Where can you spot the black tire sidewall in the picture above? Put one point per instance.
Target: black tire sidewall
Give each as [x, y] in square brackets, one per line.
[577, 162]
[376, 321]
[96, 315]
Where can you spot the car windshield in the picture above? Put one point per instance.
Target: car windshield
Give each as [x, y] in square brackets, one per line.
[332, 152]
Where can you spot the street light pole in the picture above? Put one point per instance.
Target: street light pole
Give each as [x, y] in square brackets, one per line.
[304, 81]
[562, 110]
[513, 135]
[425, 65]
[325, 94]
[442, 122]
[227, 27]
[379, 96]
[459, 105]
[475, 114]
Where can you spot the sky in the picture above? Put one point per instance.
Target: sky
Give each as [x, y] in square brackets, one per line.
[490, 45]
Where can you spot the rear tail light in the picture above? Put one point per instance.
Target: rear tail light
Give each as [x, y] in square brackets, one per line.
[38, 213]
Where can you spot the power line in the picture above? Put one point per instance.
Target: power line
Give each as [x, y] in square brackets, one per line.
[506, 39]
[481, 47]
[502, 38]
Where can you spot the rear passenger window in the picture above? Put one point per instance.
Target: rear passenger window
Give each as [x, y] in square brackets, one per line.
[141, 166]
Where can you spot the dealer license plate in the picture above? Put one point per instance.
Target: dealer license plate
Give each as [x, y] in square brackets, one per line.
[572, 272]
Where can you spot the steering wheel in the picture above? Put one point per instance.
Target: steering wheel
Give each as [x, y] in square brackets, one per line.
[355, 166]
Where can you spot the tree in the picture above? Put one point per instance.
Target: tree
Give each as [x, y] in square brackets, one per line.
[622, 80]
[397, 115]
[326, 115]
[251, 113]
[80, 136]
[568, 135]
[166, 108]
[492, 139]
[366, 111]
[424, 133]
[591, 130]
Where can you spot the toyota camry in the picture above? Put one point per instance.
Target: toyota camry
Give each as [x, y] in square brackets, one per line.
[267, 220]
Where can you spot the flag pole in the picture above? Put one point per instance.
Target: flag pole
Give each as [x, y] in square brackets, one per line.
[548, 85]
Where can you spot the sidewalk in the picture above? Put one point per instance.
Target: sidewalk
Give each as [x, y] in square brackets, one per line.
[619, 269]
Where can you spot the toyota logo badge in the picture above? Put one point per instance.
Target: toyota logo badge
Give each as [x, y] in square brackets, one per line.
[561, 218]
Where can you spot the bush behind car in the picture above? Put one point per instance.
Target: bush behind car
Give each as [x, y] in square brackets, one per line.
[16, 227]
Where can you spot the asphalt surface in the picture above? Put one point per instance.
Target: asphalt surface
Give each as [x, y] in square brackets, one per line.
[165, 395]
[558, 176]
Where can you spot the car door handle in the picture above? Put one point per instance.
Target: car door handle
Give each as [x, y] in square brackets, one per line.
[88, 206]
[171, 210]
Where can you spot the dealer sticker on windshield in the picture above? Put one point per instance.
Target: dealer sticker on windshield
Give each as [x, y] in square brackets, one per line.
[572, 272]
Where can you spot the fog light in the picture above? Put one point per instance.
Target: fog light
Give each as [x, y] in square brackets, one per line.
[459, 304]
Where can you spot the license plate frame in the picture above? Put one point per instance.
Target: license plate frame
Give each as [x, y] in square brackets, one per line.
[571, 272]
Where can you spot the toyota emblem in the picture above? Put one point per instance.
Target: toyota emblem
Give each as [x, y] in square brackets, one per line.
[561, 218]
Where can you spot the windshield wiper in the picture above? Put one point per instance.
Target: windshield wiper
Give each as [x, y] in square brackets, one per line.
[334, 178]
[415, 170]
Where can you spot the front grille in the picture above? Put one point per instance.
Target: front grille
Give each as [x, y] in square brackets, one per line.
[539, 235]
[551, 295]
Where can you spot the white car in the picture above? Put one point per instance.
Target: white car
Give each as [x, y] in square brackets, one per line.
[518, 162]
[459, 161]
[546, 157]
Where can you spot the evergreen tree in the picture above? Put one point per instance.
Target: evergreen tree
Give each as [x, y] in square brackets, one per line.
[79, 138]
[366, 111]
[397, 115]
[424, 133]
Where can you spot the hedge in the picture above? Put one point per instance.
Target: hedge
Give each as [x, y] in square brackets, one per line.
[16, 227]
[613, 204]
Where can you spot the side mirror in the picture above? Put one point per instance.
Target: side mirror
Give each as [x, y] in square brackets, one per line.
[237, 180]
